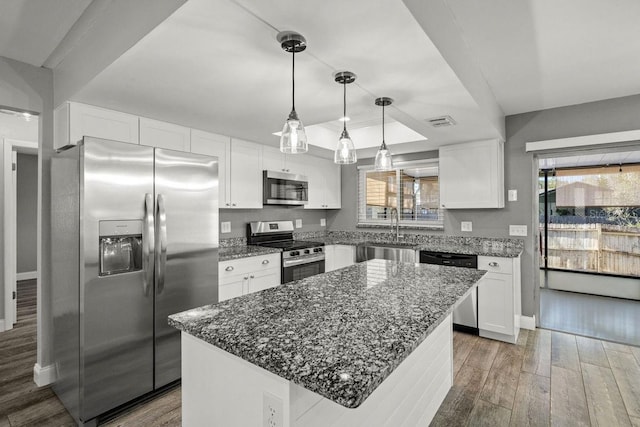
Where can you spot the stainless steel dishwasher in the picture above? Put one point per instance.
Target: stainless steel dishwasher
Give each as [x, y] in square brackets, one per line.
[465, 316]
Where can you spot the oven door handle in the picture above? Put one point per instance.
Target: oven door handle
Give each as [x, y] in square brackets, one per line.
[305, 260]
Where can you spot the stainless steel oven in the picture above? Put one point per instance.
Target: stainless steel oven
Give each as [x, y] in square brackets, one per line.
[302, 263]
[300, 258]
[281, 188]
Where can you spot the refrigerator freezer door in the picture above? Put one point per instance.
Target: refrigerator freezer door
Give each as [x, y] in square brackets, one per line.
[116, 317]
[186, 247]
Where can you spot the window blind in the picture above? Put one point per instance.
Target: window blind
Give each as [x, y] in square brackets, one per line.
[412, 189]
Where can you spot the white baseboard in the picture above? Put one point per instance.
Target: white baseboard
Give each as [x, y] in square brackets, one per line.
[528, 322]
[27, 275]
[44, 375]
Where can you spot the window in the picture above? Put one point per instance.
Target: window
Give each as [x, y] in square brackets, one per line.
[412, 189]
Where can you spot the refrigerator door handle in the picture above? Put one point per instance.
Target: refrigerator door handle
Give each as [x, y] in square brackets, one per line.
[148, 244]
[161, 262]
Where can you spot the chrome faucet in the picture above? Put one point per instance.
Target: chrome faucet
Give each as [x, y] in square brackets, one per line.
[394, 212]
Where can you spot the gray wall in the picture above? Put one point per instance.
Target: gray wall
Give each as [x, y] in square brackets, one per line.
[31, 88]
[240, 217]
[27, 209]
[611, 115]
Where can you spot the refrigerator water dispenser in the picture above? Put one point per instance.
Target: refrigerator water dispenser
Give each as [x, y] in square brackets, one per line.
[120, 247]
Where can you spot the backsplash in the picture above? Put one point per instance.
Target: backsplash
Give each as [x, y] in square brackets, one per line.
[233, 241]
[428, 239]
[385, 237]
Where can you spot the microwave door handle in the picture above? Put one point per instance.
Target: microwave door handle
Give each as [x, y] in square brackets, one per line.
[161, 253]
[148, 244]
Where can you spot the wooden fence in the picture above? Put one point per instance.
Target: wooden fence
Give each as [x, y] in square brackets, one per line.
[599, 248]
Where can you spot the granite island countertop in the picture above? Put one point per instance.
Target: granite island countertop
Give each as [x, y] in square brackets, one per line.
[244, 251]
[338, 334]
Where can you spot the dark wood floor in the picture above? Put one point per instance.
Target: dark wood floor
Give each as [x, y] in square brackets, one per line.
[548, 378]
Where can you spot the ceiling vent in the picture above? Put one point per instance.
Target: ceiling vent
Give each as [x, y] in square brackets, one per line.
[442, 121]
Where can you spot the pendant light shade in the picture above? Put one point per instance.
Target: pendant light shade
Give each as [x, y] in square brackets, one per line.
[383, 156]
[294, 138]
[345, 151]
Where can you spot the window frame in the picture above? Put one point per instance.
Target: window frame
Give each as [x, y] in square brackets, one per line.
[362, 221]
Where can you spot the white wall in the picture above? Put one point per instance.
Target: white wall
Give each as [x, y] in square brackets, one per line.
[30, 88]
[27, 209]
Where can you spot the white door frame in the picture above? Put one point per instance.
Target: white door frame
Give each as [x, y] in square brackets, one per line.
[10, 147]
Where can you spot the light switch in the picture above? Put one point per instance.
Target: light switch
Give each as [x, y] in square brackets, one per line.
[512, 195]
[517, 230]
[323, 222]
[298, 223]
[466, 226]
[225, 227]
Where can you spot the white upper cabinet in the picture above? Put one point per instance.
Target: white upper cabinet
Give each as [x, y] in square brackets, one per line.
[246, 175]
[73, 121]
[274, 160]
[159, 134]
[324, 183]
[472, 175]
[212, 144]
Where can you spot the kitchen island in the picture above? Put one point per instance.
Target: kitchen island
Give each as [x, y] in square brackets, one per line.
[316, 351]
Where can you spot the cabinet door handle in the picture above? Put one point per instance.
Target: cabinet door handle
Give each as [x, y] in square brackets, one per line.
[233, 204]
[266, 261]
[493, 264]
[252, 276]
[227, 204]
[246, 278]
[229, 268]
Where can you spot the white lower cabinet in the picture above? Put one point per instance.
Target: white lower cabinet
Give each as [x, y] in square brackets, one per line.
[243, 276]
[499, 304]
[338, 256]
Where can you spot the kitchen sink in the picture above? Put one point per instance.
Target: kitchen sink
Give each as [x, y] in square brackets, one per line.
[396, 251]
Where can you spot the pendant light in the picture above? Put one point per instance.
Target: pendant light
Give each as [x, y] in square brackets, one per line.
[294, 138]
[345, 152]
[383, 156]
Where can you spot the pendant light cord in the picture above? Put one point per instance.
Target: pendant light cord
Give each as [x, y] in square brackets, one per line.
[344, 106]
[383, 143]
[293, 79]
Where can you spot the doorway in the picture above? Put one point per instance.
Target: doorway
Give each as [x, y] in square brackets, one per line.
[589, 210]
[19, 136]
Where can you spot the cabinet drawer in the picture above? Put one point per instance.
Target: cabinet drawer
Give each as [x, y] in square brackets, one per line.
[248, 265]
[495, 264]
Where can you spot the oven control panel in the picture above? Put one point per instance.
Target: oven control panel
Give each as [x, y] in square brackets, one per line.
[301, 253]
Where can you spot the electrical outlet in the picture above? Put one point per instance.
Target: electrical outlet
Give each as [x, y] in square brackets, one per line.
[517, 230]
[466, 226]
[298, 223]
[272, 409]
[512, 195]
[225, 227]
[323, 222]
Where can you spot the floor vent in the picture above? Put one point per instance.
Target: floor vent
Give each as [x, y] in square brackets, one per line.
[442, 121]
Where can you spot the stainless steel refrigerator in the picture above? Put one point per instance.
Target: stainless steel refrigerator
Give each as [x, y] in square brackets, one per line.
[134, 239]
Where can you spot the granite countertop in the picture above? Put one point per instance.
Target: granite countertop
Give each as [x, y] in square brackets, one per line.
[338, 334]
[486, 248]
[235, 252]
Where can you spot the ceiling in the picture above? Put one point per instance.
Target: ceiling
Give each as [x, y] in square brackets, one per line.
[216, 64]
[31, 30]
[540, 54]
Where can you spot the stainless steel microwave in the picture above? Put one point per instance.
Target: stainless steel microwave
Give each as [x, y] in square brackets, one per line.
[281, 188]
